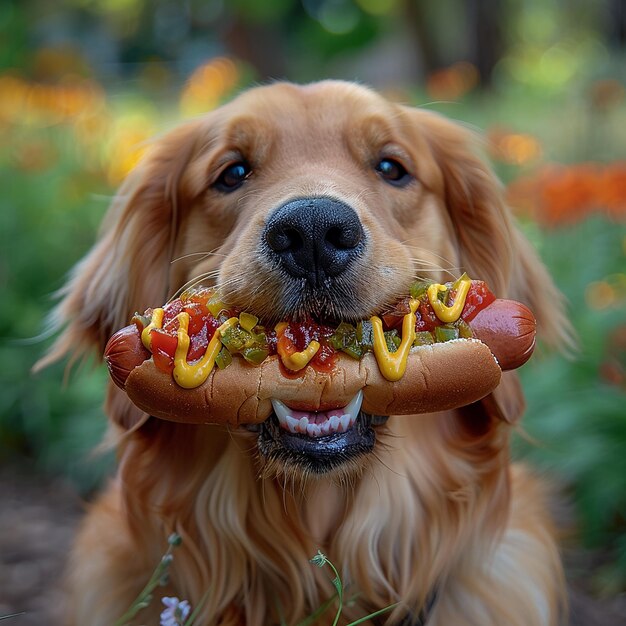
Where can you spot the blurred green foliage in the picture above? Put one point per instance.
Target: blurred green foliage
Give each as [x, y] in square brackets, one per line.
[47, 220]
[575, 424]
[67, 138]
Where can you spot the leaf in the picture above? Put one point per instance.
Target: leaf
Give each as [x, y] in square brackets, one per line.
[375, 614]
[312, 619]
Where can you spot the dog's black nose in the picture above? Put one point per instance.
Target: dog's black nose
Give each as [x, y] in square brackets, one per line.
[314, 238]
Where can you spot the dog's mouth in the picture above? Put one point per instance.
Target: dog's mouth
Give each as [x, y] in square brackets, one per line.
[317, 441]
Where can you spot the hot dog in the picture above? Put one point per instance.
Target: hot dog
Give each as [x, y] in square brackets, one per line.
[454, 343]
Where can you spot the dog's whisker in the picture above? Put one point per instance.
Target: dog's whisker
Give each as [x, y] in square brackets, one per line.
[204, 254]
[425, 262]
[228, 281]
[284, 493]
[202, 277]
[370, 471]
[425, 266]
[420, 272]
[420, 267]
[263, 493]
[428, 251]
[258, 288]
[436, 103]
[429, 263]
[386, 448]
[190, 284]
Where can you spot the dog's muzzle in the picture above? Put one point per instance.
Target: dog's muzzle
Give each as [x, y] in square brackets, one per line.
[315, 244]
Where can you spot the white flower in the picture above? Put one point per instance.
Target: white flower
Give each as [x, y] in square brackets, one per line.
[319, 559]
[175, 613]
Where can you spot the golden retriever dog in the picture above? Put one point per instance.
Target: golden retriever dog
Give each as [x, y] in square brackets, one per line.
[433, 516]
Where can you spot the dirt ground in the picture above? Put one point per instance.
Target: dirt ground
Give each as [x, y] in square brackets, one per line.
[38, 518]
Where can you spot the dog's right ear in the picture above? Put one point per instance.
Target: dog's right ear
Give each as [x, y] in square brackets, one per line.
[129, 267]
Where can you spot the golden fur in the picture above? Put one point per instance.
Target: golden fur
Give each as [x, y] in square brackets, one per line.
[437, 505]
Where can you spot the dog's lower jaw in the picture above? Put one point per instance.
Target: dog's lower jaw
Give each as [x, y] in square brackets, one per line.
[299, 456]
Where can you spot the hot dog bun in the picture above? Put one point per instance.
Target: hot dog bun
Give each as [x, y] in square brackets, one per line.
[438, 377]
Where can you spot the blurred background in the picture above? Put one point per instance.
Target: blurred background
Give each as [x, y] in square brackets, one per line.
[83, 85]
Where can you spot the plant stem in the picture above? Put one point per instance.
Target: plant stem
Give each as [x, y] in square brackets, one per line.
[376, 614]
[339, 586]
[144, 597]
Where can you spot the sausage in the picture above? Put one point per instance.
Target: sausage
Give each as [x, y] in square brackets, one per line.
[509, 329]
[123, 353]
[438, 377]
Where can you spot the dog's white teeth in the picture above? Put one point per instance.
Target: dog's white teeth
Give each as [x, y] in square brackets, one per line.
[320, 424]
[282, 411]
[313, 430]
[354, 407]
[345, 423]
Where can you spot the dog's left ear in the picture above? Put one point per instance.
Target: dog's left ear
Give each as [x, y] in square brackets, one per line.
[490, 245]
[128, 269]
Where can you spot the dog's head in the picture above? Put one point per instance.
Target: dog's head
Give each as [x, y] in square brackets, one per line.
[323, 200]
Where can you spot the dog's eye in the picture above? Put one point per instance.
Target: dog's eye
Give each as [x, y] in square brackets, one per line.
[233, 176]
[393, 172]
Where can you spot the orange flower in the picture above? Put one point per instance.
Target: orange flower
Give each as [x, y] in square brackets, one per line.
[612, 189]
[558, 194]
[567, 196]
[452, 83]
